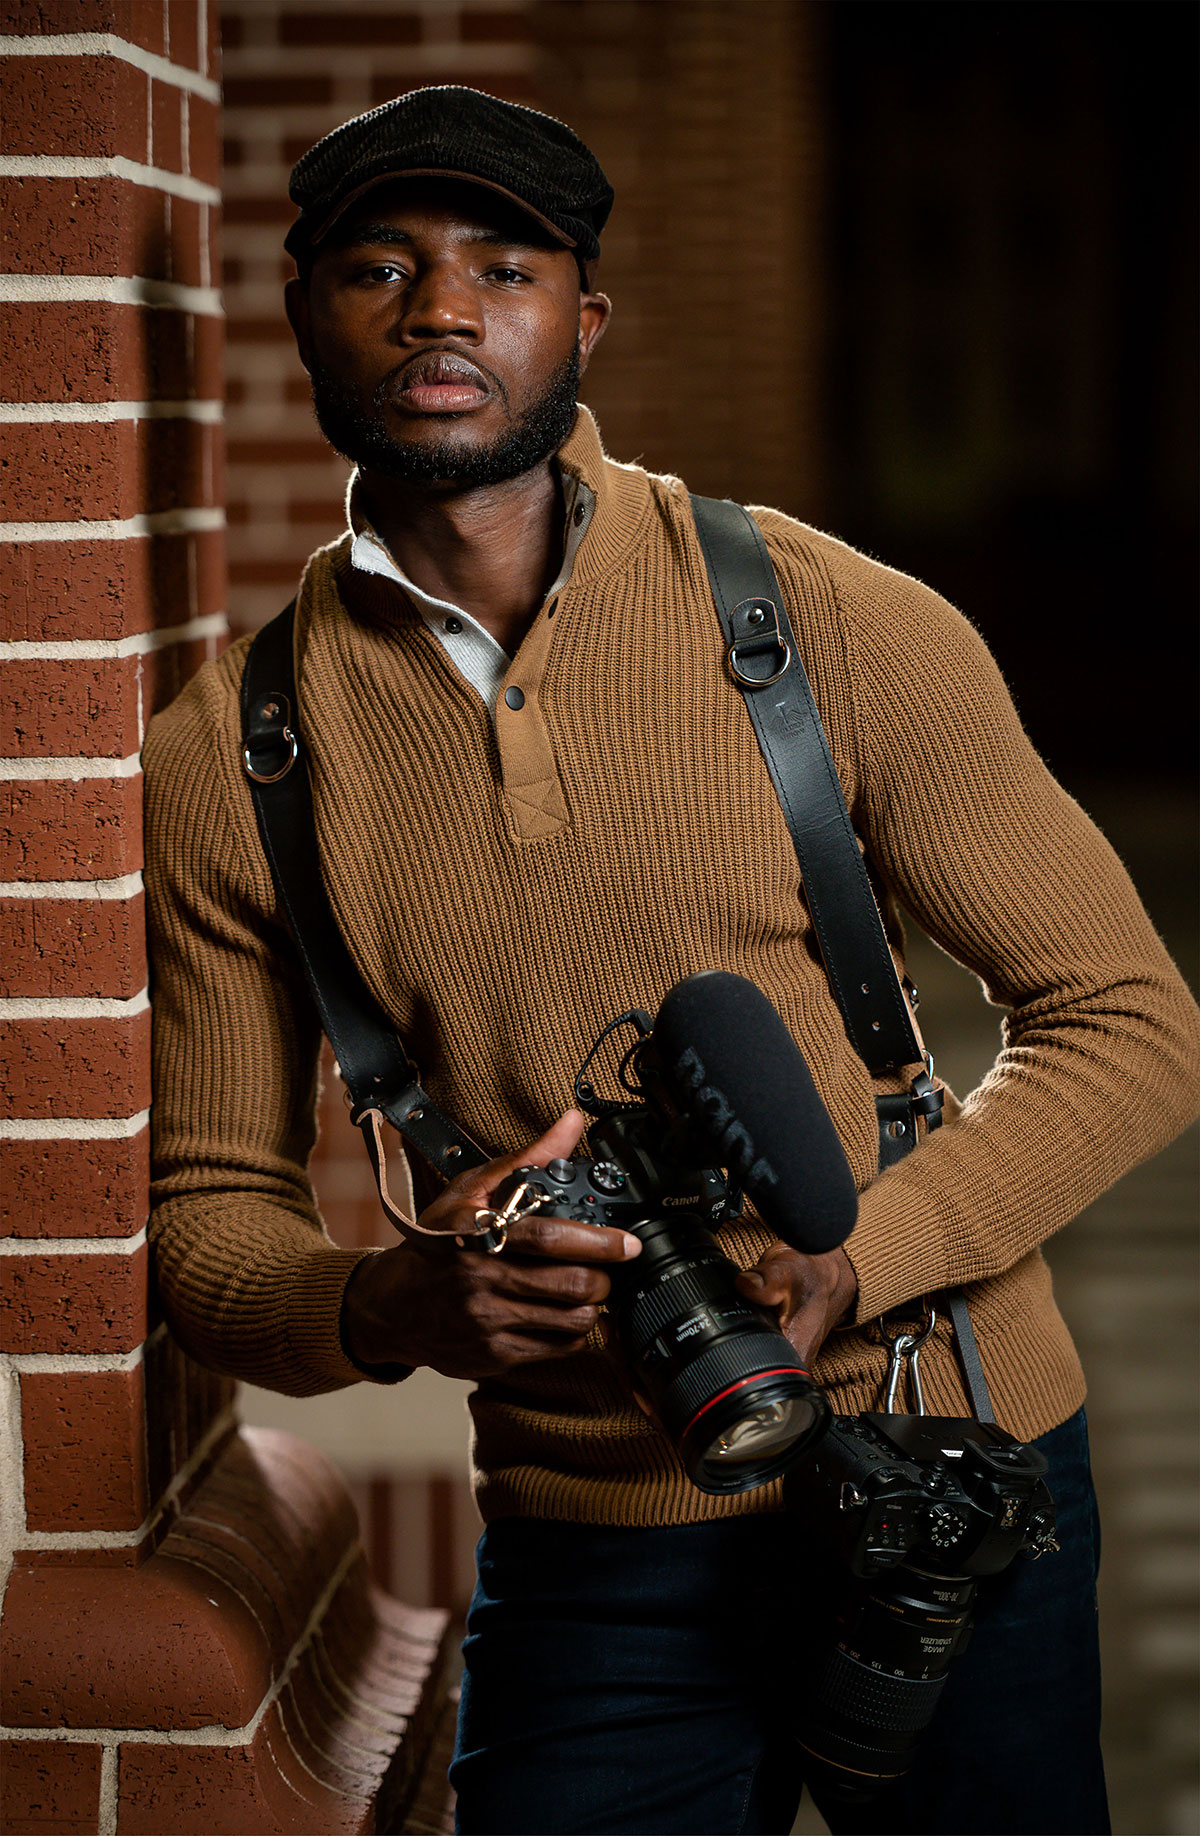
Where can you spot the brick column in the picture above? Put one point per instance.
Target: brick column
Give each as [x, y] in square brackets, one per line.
[190, 1640]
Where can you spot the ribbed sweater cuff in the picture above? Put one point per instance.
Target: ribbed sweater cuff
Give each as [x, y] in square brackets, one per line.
[314, 1312]
[897, 1250]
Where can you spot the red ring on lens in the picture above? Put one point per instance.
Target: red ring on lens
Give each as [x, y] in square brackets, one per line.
[784, 1370]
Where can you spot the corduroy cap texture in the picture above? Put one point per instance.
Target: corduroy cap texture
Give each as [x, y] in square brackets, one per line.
[454, 132]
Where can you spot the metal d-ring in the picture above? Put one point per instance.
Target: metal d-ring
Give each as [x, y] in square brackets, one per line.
[272, 777]
[760, 681]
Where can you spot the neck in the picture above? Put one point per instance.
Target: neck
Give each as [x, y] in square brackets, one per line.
[492, 551]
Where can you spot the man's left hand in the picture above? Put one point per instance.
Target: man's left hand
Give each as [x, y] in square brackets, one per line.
[807, 1294]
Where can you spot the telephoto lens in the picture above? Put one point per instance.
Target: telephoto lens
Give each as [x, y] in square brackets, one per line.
[916, 1509]
[727, 1386]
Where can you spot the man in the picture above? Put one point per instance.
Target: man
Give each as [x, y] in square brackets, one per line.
[539, 802]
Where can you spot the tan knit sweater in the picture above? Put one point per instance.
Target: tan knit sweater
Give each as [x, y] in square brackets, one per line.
[507, 892]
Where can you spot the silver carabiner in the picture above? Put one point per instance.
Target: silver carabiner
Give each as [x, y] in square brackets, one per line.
[907, 1345]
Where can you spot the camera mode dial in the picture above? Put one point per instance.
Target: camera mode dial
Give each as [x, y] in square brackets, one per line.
[607, 1176]
[945, 1527]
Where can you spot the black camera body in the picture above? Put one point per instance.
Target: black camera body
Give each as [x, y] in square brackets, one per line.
[948, 1494]
[729, 1389]
[918, 1508]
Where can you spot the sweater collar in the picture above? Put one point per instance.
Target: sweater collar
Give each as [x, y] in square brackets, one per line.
[622, 499]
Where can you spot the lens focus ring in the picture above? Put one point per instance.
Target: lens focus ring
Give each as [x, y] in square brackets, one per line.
[686, 1290]
[871, 1699]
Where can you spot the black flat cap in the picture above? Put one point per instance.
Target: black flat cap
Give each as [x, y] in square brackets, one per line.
[452, 132]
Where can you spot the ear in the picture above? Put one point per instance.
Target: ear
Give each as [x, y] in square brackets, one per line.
[594, 312]
[295, 301]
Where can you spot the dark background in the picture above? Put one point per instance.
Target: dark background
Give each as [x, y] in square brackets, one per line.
[1011, 410]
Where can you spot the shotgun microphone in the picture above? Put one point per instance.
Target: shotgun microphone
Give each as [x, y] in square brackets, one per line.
[732, 1069]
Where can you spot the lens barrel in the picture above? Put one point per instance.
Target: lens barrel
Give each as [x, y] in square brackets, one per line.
[728, 1387]
[880, 1683]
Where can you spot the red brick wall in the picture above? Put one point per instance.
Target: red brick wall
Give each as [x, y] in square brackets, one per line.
[707, 117]
[157, 1661]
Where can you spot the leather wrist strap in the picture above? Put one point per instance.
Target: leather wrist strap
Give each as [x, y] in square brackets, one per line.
[380, 1076]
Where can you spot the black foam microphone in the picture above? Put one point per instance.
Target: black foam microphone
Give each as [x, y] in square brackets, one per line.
[735, 1072]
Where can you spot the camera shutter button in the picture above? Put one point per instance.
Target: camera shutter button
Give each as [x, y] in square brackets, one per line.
[562, 1170]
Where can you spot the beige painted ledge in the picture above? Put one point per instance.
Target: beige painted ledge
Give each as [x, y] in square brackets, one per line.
[418, 1426]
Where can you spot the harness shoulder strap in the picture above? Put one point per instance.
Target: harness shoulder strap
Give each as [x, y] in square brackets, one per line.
[380, 1076]
[765, 663]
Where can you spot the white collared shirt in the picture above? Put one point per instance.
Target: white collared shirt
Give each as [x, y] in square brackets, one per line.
[475, 653]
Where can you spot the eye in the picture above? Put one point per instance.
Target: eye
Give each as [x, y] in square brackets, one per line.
[509, 277]
[380, 274]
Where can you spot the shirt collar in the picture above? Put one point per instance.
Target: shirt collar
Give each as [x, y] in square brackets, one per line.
[371, 555]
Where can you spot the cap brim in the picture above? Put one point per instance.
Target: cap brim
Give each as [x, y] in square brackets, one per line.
[468, 178]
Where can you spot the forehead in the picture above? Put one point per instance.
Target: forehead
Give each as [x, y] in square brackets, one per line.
[403, 209]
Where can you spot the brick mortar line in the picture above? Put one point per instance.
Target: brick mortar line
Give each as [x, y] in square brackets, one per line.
[215, 1734]
[74, 1128]
[142, 643]
[197, 520]
[153, 178]
[128, 886]
[12, 1471]
[208, 412]
[106, 1809]
[509, 58]
[111, 290]
[75, 770]
[75, 1007]
[76, 1364]
[107, 44]
[71, 1246]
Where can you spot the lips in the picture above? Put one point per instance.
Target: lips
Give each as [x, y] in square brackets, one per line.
[440, 382]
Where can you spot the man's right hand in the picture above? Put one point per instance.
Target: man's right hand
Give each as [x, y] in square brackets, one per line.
[468, 1314]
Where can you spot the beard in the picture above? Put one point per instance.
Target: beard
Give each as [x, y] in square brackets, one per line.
[360, 433]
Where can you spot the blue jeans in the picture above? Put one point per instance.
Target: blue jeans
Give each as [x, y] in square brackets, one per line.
[650, 1681]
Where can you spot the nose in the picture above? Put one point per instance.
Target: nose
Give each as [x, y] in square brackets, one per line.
[440, 302]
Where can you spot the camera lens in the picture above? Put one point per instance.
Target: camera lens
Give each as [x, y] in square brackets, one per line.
[728, 1387]
[752, 1432]
[772, 1427]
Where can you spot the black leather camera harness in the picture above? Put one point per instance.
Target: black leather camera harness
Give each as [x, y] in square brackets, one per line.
[764, 661]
